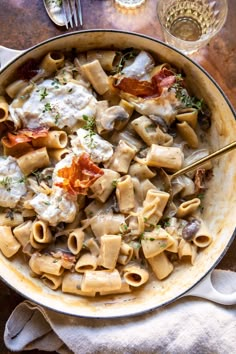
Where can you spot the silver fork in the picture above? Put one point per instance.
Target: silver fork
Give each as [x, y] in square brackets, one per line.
[72, 13]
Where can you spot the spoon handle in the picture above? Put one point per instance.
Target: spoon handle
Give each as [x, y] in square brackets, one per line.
[200, 162]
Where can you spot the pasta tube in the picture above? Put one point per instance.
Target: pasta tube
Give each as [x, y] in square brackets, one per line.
[22, 232]
[203, 238]
[122, 157]
[44, 263]
[161, 266]
[41, 232]
[126, 253]
[86, 262]
[101, 280]
[55, 139]
[110, 248]
[71, 283]
[154, 205]
[11, 219]
[3, 109]
[105, 57]
[187, 250]
[188, 207]
[96, 76]
[167, 157]
[9, 246]
[155, 242]
[134, 275]
[104, 185]
[52, 281]
[52, 62]
[33, 160]
[75, 241]
[188, 115]
[188, 134]
[125, 194]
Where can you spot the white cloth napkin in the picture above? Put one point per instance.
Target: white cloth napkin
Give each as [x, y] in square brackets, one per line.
[190, 325]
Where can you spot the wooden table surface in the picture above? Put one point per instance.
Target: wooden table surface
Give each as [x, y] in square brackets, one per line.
[24, 23]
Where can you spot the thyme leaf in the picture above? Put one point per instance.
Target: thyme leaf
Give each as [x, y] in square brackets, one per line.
[89, 126]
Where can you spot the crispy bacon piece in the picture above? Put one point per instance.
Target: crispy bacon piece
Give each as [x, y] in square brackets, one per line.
[164, 79]
[68, 259]
[79, 176]
[23, 136]
[136, 87]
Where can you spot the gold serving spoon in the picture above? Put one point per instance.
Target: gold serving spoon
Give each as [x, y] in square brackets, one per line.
[203, 160]
[193, 166]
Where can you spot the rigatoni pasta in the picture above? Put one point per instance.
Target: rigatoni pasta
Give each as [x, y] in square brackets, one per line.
[86, 148]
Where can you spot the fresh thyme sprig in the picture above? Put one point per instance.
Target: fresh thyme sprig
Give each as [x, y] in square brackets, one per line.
[182, 94]
[47, 107]
[130, 53]
[6, 183]
[89, 126]
[43, 93]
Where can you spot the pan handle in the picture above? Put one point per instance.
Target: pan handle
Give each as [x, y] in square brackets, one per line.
[206, 290]
[8, 54]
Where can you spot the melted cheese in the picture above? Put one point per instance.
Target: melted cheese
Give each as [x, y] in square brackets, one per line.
[12, 185]
[98, 148]
[56, 207]
[164, 106]
[54, 105]
[140, 67]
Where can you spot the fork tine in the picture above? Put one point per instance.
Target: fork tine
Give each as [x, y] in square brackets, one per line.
[79, 8]
[74, 13]
[70, 9]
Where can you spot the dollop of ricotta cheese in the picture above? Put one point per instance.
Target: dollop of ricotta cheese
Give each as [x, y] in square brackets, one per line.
[98, 148]
[56, 207]
[52, 104]
[12, 185]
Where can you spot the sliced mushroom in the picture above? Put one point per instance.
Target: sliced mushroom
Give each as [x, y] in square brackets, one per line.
[190, 230]
[159, 121]
[112, 115]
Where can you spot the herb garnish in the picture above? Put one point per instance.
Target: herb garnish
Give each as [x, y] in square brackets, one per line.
[55, 83]
[6, 183]
[123, 228]
[128, 54]
[114, 183]
[182, 94]
[57, 116]
[89, 126]
[47, 107]
[43, 93]
[22, 179]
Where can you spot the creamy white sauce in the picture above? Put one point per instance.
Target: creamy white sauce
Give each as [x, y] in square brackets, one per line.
[55, 105]
[12, 185]
[57, 207]
[98, 148]
[141, 66]
[164, 106]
